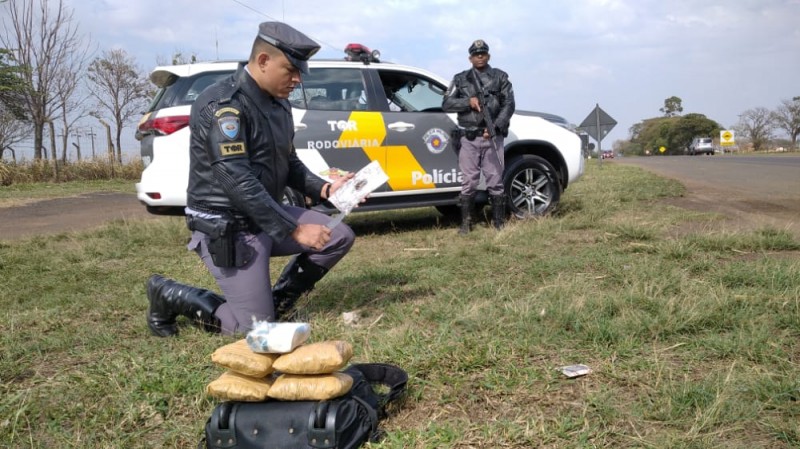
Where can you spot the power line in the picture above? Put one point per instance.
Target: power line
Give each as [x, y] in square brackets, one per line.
[255, 10]
[244, 5]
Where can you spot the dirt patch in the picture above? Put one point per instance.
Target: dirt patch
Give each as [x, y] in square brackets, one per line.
[742, 214]
[75, 213]
[749, 193]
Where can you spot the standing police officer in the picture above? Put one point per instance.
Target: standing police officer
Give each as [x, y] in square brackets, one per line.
[242, 158]
[481, 140]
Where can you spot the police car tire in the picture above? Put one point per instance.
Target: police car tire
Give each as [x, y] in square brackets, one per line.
[531, 185]
[172, 211]
[450, 211]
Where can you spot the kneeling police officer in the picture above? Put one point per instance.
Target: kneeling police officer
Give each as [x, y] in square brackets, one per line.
[242, 158]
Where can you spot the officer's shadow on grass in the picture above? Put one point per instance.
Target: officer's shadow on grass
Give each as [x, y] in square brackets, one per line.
[409, 220]
[368, 292]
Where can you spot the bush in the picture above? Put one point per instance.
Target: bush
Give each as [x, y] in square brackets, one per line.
[87, 170]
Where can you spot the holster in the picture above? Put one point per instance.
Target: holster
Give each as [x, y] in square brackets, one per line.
[222, 239]
[456, 135]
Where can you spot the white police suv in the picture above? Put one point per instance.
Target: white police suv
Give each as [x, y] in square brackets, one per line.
[350, 112]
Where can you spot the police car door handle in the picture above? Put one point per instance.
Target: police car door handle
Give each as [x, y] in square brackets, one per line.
[401, 126]
[300, 126]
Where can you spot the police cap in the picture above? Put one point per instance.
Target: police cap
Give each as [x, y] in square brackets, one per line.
[297, 47]
[479, 46]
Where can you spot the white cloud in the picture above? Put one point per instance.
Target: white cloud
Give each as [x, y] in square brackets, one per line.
[720, 56]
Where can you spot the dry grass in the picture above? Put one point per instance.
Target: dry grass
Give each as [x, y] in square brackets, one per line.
[692, 344]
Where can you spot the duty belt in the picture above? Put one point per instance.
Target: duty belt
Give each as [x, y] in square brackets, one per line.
[219, 226]
[473, 133]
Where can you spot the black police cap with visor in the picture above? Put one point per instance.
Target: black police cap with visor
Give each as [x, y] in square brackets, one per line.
[479, 46]
[297, 47]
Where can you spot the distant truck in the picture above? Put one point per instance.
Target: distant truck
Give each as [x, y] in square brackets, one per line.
[701, 145]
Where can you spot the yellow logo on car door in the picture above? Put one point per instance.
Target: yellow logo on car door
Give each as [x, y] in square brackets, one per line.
[397, 161]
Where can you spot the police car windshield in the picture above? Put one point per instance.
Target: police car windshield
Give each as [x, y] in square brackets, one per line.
[412, 93]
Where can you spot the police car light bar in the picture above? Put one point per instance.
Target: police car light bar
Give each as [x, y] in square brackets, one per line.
[358, 52]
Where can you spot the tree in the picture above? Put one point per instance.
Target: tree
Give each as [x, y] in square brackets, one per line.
[70, 109]
[67, 107]
[635, 130]
[690, 126]
[672, 106]
[756, 125]
[672, 133]
[12, 130]
[787, 118]
[43, 42]
[177, 58]
[653, 134]
[120, 88]
[12, 86]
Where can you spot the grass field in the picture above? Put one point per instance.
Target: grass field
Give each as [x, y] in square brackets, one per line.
[693, 337]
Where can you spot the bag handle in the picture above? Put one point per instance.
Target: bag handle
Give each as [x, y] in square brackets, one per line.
[223, 421]
[387, 374]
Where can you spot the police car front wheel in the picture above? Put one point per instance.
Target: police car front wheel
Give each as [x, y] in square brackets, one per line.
[531, 186]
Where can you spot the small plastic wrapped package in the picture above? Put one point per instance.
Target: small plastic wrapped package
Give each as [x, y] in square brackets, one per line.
[277, 338]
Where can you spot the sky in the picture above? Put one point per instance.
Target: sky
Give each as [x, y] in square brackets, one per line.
[721, 57]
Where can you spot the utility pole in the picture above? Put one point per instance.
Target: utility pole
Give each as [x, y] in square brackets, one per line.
[65, 140]
[92, 134]
[60, 135]
[109, 145]
[78, 146]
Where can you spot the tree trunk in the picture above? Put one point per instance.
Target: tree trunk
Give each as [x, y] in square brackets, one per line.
[119, 145]
[53, 150]
[38, 131]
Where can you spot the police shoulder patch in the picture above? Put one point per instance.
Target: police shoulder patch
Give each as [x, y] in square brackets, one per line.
[232, 149]
[227, 109]
[229, 126]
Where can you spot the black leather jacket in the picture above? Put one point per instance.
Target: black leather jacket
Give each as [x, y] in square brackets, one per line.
[242, 155]
[500, 98]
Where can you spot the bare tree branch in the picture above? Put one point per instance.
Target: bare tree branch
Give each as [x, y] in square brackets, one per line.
[71, 101]
[756, 125]
[43, 41]
[12, 130]
[787, 118]
[120, 89]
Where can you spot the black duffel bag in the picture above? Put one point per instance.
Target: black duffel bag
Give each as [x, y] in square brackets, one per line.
[345, 422]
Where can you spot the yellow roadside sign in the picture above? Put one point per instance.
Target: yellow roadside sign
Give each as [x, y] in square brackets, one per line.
[662, 149]
[726, 138]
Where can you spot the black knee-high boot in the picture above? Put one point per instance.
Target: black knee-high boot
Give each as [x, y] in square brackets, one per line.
[499, 211]
[168, 299]
[299, 277]
[467, 210]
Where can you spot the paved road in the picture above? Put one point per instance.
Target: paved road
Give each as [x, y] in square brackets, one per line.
[753, 176]
[757, 190]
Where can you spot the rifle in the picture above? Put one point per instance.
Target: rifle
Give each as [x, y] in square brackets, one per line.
[487, 117]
